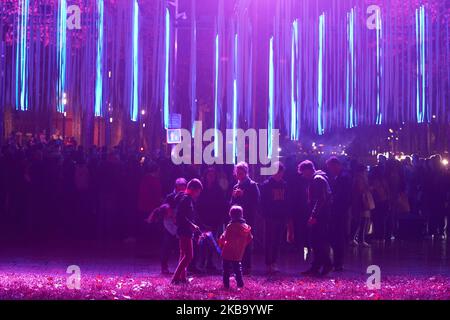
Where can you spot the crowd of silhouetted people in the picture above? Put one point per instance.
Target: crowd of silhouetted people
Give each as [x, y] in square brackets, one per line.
[53, 191]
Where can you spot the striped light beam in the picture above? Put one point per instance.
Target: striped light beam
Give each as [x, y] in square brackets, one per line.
[421, 83]
[134, 107]
[99, 74]
[379, 119]
[294, 81]
[62, 42]
[216, 97]
[193, 69]
[21, 58]
[166, 70]
[271, 100]
[350, 81]
[235, 97]
[320, 127]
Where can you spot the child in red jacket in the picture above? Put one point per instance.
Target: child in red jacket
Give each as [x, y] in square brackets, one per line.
[233, 242]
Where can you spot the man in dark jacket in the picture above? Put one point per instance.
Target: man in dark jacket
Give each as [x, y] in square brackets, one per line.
[274, 208]
[246, 195]
[186, 227]
[319, 200]
[298, 212]
[340, 184]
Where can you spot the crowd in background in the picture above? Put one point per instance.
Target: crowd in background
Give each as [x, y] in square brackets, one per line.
[52, 191]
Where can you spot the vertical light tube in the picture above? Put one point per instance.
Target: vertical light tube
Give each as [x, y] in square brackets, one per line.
[271, 100]
[379, 119]
[235, 93]
[418, 113]
[350, 81]
[294, 80]
[135, 65]
[99, 74]
[193, 69]
[62, 38]
[422, 61]
[166, 70]
[21, 57]
[216, 97]
[320, 126]
[420, 69]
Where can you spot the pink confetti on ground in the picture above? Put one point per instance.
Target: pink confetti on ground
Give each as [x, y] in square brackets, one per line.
[42, 286]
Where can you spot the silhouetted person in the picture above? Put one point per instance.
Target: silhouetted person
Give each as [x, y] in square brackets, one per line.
[437, 198]
[246, 195]
[211, 208]
[362, 205]
[149, 198]
[380, 191]
[274, 208]
[395, 178]
[299, 212]
[186, 227]
[319, 200]
[340, 183]
[165, 214]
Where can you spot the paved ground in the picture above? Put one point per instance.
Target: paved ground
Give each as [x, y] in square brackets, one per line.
[409, 270]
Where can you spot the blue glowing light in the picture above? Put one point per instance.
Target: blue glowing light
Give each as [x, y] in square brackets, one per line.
[99, 74]
[216, 97]
[421, 75]
[379, 119]
[271, 99]
[294, 58]
[320, 126]
[351, 72]
[235, 104]
[62, 39]
[21, 62]
[134, 108]
[193, 68]
[166, 70]
[422, 55]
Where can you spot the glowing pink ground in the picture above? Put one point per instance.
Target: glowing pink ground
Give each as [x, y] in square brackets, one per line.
[41, 286]
[409, 270]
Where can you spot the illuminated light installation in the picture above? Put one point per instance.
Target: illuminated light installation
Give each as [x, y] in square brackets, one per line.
[420, 40]
[21, 58]
[62, 39]
[99, 73]
[351, 72]
[271, 100]
[379, 118]
[166, 70]
[216, 97]
[371, 76]
[235, 97]
[294, 82]
[134, 107]
[320, 126]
